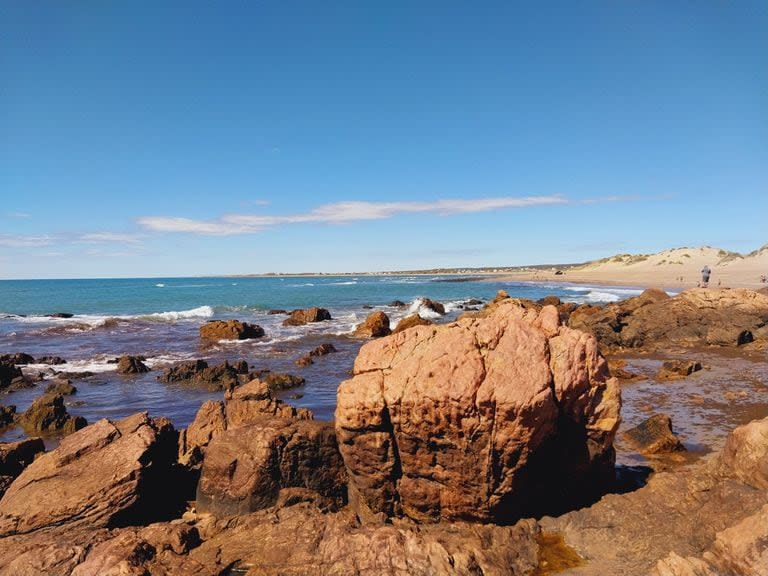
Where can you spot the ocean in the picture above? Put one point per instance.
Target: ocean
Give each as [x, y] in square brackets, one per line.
[159, 318]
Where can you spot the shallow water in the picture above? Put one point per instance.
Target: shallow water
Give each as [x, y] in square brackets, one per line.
[160, 318]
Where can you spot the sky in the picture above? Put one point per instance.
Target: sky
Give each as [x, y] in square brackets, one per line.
[150, 138]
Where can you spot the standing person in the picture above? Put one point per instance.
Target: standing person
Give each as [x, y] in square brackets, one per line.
[705, 273]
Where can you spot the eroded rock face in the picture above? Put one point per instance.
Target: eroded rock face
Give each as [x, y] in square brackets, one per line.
[230, 330]
[374, 326]
[727, 317]
[246, 468]
[477, 432]
[48, 414]
[306, 316]
[104, 475]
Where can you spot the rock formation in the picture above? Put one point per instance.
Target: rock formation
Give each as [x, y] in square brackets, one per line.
[374, 326]
[131, 365]
[14, 457]
[230, 330]
[48, 414]
[477, 432]
[410, 322]
[654, 436]
[306, 316]
[676, 369]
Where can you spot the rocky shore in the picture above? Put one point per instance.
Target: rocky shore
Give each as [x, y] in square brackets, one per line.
[481, 446]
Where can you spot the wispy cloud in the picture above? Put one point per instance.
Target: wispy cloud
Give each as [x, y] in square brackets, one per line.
[107, 237]
[18, 215]
[25, 241]
[339, 213]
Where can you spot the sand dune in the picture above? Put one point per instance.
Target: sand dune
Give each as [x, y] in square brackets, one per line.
[673, 269]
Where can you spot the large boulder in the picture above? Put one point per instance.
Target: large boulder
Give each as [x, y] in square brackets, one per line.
[745, 454]
[14, 457]
[307, 316]
[246, 468]
[480, 419]
[727, 317]
[374, 326]
[108, 474]
[230, 330]
[47, 414]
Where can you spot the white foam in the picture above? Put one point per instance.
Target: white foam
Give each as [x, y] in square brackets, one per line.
[348, 283]
[173, 315]
[598, 296]
[161, 285]
[417, 307]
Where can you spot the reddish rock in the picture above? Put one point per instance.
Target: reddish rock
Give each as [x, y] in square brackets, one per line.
[246, 468]
[654, 436]
[676, 369]
[104, 475]
[306, 316]
[745, 454]
[374, 326]
[230, 330]
[48, 414]
[131, 365]
[476, 419]
[410, 322]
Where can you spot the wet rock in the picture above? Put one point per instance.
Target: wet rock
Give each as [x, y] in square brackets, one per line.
[477, 419]
[549, 301]
[436, 307]
[7, 415]
[676, 369]
[281, 381]
[306, 316]
[230, 330]
[14, 457]
[222, 376]
[304, 361]
[410, 322]
[51, 360]
[654, 436]
[61, 388]
[131, 365]
[9, 375]
[397, 304]
[695, 317]
[374, 326]
[60, 315]
[322, 350]
[276, 311]
[246, 468]
[48, 414]
[745, 454]
[17, 358]
[108, 474]
[617, 368]
[77, 375]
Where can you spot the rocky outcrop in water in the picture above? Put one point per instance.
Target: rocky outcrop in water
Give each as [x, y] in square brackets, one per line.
[47, 414]
[19, 358]
[61, 388]
[307, 316]
[131, 365]
[375, 325]
[677, 369]
[410, 322]
[727, 317]
[482, 431]
[654, 436]
[224, 376]
[230, 330]
[10, 374]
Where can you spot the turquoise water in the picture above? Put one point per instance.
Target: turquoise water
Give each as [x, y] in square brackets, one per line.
[159, 318]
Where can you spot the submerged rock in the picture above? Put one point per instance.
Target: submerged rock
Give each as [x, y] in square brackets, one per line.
[477, 419]
[374, 326]
[306, 316]
[51, 360]
[321, 350]
[48, 414]
[222, 376]
[230, 330]
[655, 436]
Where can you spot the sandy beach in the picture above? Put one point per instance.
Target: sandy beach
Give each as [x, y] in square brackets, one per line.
[675, 269]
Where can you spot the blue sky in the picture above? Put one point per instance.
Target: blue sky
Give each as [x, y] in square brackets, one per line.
[183, 138]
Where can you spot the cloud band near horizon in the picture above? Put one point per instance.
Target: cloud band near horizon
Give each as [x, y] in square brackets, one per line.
[339, 213]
